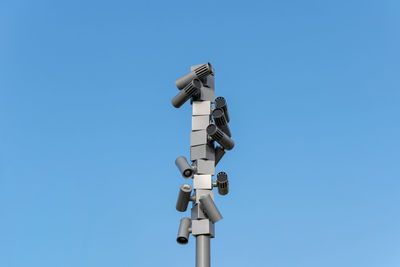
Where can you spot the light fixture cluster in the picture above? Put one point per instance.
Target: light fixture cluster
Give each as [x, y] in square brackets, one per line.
[209, 139]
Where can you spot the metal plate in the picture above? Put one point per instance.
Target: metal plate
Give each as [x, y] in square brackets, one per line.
[202, 181]
[203, 227]
[197, 213]
[200, 122]
[201, 192]
[206, 94]
[202, 152]
[205, 166]
[198, 138]
[201, 108]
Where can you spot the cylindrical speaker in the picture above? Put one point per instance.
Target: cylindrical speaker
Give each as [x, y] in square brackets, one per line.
[183, 232]
[198, 73]
[222, 183]
[220, 121]
[184, 167]
[220, 137]
[208, 207]
[191, 89]
[220, 102]
[183, 197]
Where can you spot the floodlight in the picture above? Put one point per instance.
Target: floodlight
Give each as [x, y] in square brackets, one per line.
[186, 93]
[209, 208]
[183, 197]
[184, 167]
[219, 136]
[198, 73]
[183, 232]
[222, 183]
[220, 121]
[220, 103]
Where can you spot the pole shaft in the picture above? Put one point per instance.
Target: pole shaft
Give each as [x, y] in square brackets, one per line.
[203, 251]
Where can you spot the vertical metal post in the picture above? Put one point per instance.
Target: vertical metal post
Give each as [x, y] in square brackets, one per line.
[203, 251]
[209, 138]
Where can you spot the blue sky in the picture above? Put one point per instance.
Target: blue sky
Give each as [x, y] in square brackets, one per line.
[89, 137]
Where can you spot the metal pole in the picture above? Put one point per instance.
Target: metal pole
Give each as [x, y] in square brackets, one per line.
[209, 138]
[203, 251]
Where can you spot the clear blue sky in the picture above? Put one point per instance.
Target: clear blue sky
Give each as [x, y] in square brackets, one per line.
[89, 137]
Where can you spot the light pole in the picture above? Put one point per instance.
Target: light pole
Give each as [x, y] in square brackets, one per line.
[209, 139]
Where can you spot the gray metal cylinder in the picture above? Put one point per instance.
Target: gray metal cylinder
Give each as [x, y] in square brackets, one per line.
[183, 232]
[198, 73]
[222, 183]
[203, 258]
[220, 103]
[219, 136]
[208, 207]
[220, 121]
[184, 167]
[183, 197]
[186, 93]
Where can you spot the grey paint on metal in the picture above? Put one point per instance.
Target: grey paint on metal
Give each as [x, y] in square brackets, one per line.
[220, 121]
[203, 192]
[205, 166]
[201, 108]
[203, 251]
[202, 152]
[206, 94]
[183, 231]
[207, 91]
[183, 197]
[198, 138]
[203, 227]
[209, 208]
[184, 167]
[220, 137]
[202, 181]
[222, 183]
[197, 213]
[199, 72]
[186, 93]
[209, 81]
[220, 102]
[200, 122]
[219, 153]
[194, 67]
[199, 86]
